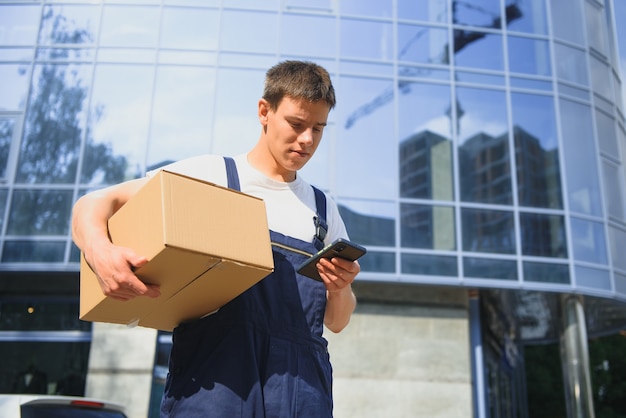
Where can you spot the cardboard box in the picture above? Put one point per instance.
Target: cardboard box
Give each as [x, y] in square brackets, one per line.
[205, 244]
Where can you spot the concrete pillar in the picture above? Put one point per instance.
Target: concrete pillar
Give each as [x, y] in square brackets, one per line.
[575, 358]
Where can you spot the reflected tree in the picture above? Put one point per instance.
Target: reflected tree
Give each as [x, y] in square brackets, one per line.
[55, 124]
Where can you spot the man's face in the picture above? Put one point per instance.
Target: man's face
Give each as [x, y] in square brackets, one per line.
[293, 131]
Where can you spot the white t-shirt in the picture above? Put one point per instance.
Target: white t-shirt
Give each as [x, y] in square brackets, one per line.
[290, 206]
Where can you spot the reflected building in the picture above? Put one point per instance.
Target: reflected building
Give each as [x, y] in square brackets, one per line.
[477, 150]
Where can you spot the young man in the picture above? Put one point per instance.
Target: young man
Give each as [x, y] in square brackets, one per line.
[263, 354]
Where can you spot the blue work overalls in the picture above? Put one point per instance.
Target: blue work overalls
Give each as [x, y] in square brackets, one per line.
[262, 354]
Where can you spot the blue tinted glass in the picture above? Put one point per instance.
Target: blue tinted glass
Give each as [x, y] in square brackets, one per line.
[14, 86]
[6, 136]
[69, 24]
[580, 151]
[316, 35]
[567, 20]
[546, 273]
[429, 265]
[426, 10]
[4, 193]
[423, 44]
[428, 227]
[488, 231]
[189, 28]
[19, 23]
[33, 251]
[536, 145]
[376, 261]
[366, 39]
[39, 212]
[376, 8]
[588, 241]
[489, 268]
[485, 13]
[527, 16]
[130, 26]
[529, 56]
[543, 235]
[369, 222]
[233, 38]
[481, 50]
[484, 157]
[571, 64]
[593, 278]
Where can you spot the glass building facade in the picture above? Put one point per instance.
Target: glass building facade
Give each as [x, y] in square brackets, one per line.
[477, 144]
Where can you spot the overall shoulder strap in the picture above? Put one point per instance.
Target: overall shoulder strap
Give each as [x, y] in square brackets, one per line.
[231, 174]
[321, 227]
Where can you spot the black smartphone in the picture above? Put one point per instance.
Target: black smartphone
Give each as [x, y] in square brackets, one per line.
[339, 248]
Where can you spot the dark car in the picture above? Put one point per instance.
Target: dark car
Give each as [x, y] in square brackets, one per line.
[43, 406]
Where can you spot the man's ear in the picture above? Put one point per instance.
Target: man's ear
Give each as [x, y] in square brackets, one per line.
[263, 111]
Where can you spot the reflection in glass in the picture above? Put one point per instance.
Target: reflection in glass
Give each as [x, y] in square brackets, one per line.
[484, 157]
[430, 265]
[426, 10]
[477, 13]
[318, 33]
[601, 77]
[376, 261]
[614, 190]
[597, 34]
[536, 151]
[39, 212]
[594, 278]
[532, 17]
[617, 238]
[118, 124]
[424, 108]
[488, 231]
[189, 28]
[367, 124]
[567, 20]
[6, 135]
[481, 50]
[426, 167]
[54, 124]
[182, 110]
[69, 24]
[588, 241]
[580, 151]
[14, 86]
[366, 39]
[369, 222]
[489, 268]
[26, 251]
[379, 8]
[233, 39]
[134, 26]
[571, 64]
[543, 235]
[19, 24]
[427, 227]
[546, 273]
[4, 193]
[607, 137]
[529, 56]
[423, 45]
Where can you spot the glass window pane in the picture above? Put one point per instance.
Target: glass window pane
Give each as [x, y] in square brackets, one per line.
[528, 16]
[19, 24]
[607, 136]
[620, 283]
[379, 8]
[537, 154]
[40, 212]
[118, 124]
[54, 124]
[571, 64]
[529, 56]
[4, 193]
[6, 137]
[379, 262]
[478, 13]
[546, 273]
[369, 222]
[14, 86]
[69, 24]
[580, 151]
[478, 50]
[430, 265]
[235, 124]
[614, 190]
[33, 251]
[231, 24]
[131, 26]
[489, 268]
[588, 241]
[427, 10]
[597, 33]
[617, 242]
[484, 157]
[488, 231]
[40, 314]
[593, 278]
[366, 39]
[367, 123]
[316, 35]
[543, 235]
[189, 28]
[423, 44]
[183, 97]
[427, 227]
[567, 20]
[601, 78]
[318, 5]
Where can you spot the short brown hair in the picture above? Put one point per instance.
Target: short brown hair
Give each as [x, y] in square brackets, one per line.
[298, 80]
